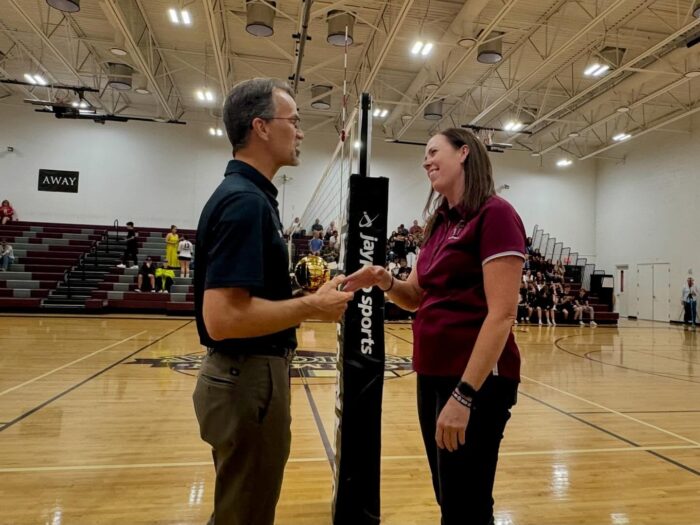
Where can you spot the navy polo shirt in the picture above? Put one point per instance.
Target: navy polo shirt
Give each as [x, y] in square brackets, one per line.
[450, 272]
[240, 245]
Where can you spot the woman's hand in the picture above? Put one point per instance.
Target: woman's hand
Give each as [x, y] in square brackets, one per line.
[452, 424]
[367, 276]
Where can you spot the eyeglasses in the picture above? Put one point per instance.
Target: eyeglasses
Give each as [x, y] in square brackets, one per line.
[296, 121]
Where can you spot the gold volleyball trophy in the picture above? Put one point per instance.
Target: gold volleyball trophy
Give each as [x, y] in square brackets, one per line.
[311, 272]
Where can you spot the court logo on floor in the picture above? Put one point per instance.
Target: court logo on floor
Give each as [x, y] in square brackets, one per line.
[306, 363]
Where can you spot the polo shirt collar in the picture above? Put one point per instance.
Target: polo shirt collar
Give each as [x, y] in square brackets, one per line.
[456, 213]
[249, 172]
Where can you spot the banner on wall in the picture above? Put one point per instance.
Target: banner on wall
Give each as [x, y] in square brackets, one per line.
[57, 180]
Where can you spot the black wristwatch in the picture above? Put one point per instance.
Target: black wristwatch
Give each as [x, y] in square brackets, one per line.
[466, 389]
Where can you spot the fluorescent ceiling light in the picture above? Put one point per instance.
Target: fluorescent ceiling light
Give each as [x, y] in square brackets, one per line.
[212, 131]
[621, 136]
[427, 49]
[513, 125]
[186, 17]
[40, 80]
[591, 69]
[173, 16]
[29, 78]
[563, 163]
[209, 96]
[622, 109]
[219, 132]
[118, 51]
[376, 112]
[417, 47]
[357, 144]
[574, 134]
[384, 113]
[601, 70]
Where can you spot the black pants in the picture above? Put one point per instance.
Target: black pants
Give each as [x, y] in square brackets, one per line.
[164, 283]
[691, 308]
[463, 480]
[130, 255]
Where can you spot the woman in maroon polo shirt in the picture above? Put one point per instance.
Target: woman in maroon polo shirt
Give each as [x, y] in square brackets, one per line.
[465, 293]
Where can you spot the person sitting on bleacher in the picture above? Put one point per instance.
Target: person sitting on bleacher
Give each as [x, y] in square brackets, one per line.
[165, 277]
[7, 213]
[316, 243]
[582, 306]
[146, 281]
[566, 305]
[132, 248]
[7, 256]
[317, 227]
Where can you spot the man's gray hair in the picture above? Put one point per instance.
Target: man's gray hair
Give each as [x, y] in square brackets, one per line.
[246, 101]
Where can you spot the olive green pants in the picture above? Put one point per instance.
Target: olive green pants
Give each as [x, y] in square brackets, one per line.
[243, 409]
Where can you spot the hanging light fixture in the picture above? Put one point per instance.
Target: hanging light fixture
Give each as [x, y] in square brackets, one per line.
[67, 6]
[260, 17]
[141, 83]
[433, 111]
[118, 49]
[119, 76]
[321, 96]
[338, 22]
[491, 52]
[696, 9]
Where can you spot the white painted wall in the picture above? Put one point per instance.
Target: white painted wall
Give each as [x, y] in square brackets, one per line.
[153, 174]
[648, 208]
[158, 174]
[560, 201]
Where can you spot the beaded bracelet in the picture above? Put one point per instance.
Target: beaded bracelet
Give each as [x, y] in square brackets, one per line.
[464, 401]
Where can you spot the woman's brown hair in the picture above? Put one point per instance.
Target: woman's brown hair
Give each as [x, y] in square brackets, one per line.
[478, 177]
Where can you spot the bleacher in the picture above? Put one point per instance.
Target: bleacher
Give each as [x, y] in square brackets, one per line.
[117, 290]
[68, 267]
[43, 254]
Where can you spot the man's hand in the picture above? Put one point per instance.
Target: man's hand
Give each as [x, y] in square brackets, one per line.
[330, 303]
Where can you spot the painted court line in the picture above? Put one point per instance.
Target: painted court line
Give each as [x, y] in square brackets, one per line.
[612, 411]
[42, 376]
[71, 468]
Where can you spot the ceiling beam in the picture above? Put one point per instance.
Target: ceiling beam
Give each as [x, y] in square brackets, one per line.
[644, 100]
[215, 14]
[505, 9]
[614, 73]
[564, 48]
[150, 65]
[676, 117]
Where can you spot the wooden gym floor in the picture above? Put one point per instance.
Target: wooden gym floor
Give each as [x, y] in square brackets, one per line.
[97, 427]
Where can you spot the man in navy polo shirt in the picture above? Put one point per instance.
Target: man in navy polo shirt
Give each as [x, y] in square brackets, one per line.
[246, 316]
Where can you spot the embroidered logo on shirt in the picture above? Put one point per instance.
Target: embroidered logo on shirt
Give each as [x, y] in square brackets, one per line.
[457, 230]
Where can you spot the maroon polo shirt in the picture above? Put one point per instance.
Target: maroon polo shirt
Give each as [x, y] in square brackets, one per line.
[450, 271]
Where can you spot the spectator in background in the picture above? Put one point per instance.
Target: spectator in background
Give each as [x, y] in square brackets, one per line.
[294, 228]
[566, 305]
[184, 255]
[416, 229]
[146, 281]
[7, 213]
[165, 277]
[401, 230]
[172, 240]
[411, 251]
[317, 227]
[581, 305]
[690, 301]
[329, 231]
[7, 256]
[316, 243]
[132, 248]
[333, 239]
